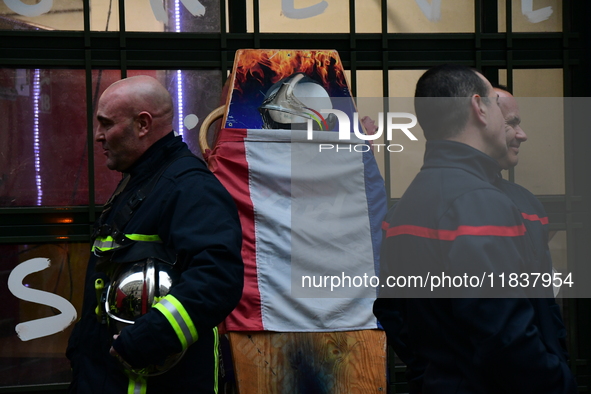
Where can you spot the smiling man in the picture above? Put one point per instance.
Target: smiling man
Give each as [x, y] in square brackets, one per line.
[535, 220]
[515, 134]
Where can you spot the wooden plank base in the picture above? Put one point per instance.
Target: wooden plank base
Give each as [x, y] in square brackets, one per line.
[352, 362]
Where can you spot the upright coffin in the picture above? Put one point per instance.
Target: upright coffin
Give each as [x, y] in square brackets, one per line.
[311, 206]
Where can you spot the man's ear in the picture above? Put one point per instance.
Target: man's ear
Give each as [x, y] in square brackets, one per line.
[144, 122]
[478, 108]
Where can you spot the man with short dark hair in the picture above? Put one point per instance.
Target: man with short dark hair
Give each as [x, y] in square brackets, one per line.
[441, 100]
[453, 220]
[168, 248]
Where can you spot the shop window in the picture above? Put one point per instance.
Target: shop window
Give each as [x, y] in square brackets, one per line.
[404, 164]
[532, 16]
[104, 15]
[332, 16]
[35, 355]
[420, 16]
[541, 158]
[308, 16]
[197, 16]
[43, 154]
[43, 138]
[141, 15]
[42, 15]
[404, 155]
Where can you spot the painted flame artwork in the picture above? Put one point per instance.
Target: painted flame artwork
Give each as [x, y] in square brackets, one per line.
[271, 66]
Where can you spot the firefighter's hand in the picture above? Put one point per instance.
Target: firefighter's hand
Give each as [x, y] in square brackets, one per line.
[112, 351]
[115, 354]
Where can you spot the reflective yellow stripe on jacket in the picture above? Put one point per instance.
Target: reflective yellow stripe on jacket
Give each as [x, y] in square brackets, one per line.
[104, 244]
[179, 319]
[137, 384]
[216, 359]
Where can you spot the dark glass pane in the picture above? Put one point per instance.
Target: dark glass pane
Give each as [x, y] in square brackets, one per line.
[32, 352]
[196, 16]
[43, 154]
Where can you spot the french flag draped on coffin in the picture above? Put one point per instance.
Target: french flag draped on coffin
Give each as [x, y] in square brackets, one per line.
[310, 204]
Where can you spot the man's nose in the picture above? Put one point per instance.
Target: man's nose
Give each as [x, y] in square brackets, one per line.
[521, 136]
[98, 135]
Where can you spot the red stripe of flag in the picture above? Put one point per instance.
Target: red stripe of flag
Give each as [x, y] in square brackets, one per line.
[450, 235]
[533, 218]
[228, 163]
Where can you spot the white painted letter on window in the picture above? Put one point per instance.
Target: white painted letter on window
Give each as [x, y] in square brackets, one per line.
[23, 9]
[537, 16]
[432, 11]
[289, 10]
[48, 325]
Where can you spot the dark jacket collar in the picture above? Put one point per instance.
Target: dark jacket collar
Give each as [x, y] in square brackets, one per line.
[452, 154]
[151, 160]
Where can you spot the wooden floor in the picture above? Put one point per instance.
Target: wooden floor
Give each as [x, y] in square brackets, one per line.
[352, 362]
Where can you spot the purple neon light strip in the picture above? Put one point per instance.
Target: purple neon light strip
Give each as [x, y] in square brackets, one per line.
[179, 74]
[36, 144]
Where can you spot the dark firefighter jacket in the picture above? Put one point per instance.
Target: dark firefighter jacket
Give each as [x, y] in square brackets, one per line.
[190, 213]
[454, 219]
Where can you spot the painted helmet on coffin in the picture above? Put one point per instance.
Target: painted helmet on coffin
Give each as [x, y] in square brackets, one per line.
[294, 100]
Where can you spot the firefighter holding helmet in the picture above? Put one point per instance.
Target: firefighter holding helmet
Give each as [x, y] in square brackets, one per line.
[166, 267]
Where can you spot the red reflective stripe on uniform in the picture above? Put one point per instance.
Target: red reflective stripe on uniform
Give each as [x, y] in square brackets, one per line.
[385, 226]
[450, 235]
[534, 217]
